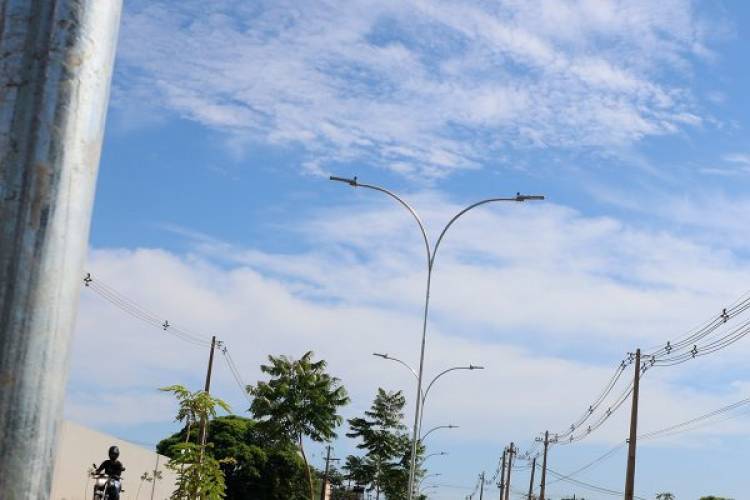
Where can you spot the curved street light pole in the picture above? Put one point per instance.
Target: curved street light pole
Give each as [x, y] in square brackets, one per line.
[436, 454]
[430, 253]
[429, 386]
[438, 427]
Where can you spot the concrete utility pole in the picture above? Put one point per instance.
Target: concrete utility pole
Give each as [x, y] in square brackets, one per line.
[55, 68]
[207, 388]
[630, 474]
[531, 481]
[511, 451]
[502, 477]
[481, 486]
[325, 475]
[544, 466]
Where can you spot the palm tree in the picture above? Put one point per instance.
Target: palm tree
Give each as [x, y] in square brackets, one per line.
[193, 406]
[665, 496]
[301, 400]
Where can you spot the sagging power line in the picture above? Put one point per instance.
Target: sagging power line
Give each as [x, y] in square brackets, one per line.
[131, 307]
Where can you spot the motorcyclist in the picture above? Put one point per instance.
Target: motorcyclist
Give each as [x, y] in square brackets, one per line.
[112, 468]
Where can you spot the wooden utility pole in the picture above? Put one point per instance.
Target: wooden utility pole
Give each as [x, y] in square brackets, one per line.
[531, 481]
[481, 485]
[502, 476]
[630, 474]
[204, 421]
[511, 451]
[55, 72]
[544, 466]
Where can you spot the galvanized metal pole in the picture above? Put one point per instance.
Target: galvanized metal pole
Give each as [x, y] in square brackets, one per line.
[630, 473]
[56, 60]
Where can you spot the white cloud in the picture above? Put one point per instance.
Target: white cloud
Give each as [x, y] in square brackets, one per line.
[545, 296]
[417, 87]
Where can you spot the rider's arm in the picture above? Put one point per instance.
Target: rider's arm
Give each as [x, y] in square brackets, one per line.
[101, 467]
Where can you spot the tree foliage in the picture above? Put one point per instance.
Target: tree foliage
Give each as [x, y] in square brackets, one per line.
[300, 400]
[199, 475]
[192, 406]
[381, 435]
[387, 446]
[263, 465]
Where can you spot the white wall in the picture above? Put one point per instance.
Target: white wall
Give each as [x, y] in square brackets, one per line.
[79, 447]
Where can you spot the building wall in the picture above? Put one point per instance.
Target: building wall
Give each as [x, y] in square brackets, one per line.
[79, 447]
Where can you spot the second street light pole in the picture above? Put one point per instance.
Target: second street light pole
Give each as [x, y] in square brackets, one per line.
[431, 252]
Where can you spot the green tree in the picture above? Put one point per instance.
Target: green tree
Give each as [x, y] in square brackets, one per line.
[665, 496]
[263, 465]
[395, 480]
[381, 433]
[300, 400]
[199, 475]
[192, 406]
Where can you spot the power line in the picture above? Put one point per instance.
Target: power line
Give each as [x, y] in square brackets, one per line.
[687, 347]
[139, 312]
[592, 487]
[682, 427]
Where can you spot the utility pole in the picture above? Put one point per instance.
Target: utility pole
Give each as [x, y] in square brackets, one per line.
[207, 389]
[544, 466]
[511, 451]
[325, 474]
[481, 486]
[531, 481]
[55, 72]
[502, 476]
[630, 474]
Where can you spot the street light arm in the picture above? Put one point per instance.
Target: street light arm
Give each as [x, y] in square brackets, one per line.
[437, 428]
[470, 367]
[403, 363]
[354, 183]
[518, 198]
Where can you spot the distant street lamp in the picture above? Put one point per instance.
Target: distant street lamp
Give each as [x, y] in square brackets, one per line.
[431, 254]
[436, 428]
[438, 454]
[429, 386]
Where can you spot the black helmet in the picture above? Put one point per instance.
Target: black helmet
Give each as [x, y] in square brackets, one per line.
[114, 452]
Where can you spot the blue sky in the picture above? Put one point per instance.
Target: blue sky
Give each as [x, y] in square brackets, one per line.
[213, 208]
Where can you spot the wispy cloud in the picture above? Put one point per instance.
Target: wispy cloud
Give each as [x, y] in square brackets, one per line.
[421, 88]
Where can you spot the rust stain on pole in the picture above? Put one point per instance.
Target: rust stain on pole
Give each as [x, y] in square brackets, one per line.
[56, 60]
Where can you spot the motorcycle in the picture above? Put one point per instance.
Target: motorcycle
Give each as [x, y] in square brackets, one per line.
[106, 487]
